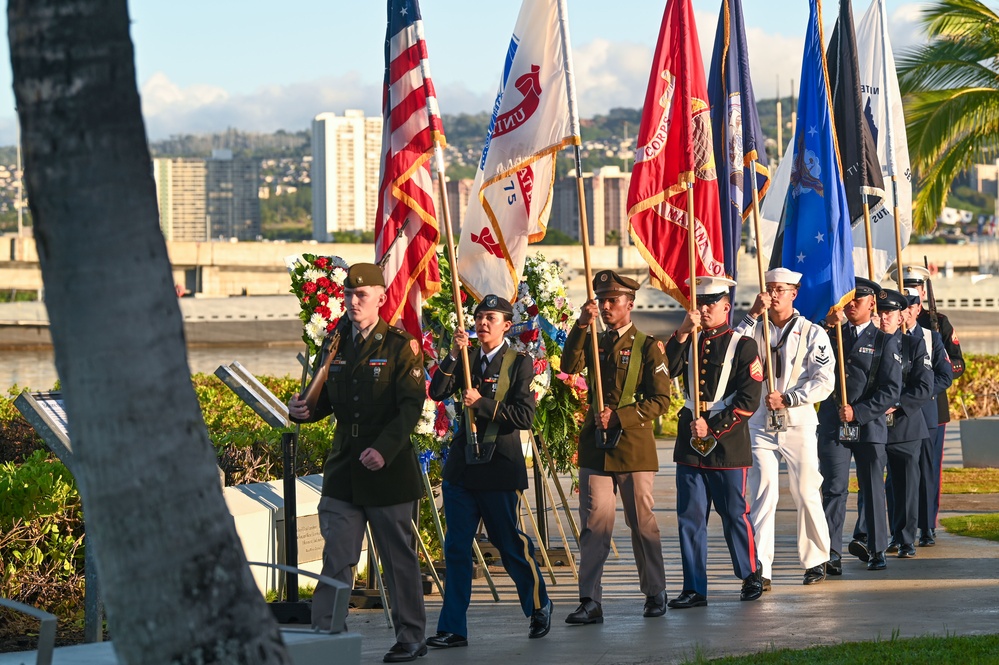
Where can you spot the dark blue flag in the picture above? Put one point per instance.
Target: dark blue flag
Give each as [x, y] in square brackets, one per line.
[735, 124]
[818, 241]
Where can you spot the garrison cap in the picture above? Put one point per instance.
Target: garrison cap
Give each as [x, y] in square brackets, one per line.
[866, 287]
[711, 289]
[608, 282]
[783, 276]
[912, 295]
[915, 275]
[364, 274]
[493, 303]
[890, 300]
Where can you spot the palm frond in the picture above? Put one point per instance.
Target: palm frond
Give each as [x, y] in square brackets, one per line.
[960, 18]
[936, 119]
[948, 64]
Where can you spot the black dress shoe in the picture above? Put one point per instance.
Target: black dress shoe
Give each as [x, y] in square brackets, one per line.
[655, 606]
[877, 561]
[541, 621]
[835, 564]
[589, 611]
[892, 547]
[815, 574]
[767, 583]
[752, 587]
[858, 548]
[927, 539]
[686, 600]
[404, 652]
[906, 551]
[446, 640]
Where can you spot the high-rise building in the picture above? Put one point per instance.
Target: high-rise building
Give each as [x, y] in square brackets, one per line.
[180, 190]
[346, 155]
[233, 196]
[458, 194]
[606, 195]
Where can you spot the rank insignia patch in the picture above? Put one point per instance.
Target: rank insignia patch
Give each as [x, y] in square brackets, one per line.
[415, 346]
[756, 369]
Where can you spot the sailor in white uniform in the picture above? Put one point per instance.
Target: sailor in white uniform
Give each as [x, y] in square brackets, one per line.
[804, 374]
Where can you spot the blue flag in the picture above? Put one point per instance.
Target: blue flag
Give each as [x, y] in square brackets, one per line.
[735, 125]
[818, 241]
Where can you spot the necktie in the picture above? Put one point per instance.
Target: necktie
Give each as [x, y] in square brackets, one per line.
[485, 366]
[358, 340]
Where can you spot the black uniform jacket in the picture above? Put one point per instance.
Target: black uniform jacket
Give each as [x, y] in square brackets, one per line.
[729, 425]
[917, 387]
[506, 470]
[953, 347]
[943, 375]
[870, 396]
[636, 450]
[376, 392]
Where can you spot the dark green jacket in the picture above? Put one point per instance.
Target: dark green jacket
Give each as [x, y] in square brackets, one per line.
[376, 392]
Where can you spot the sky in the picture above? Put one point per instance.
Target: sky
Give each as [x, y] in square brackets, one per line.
[256, 65]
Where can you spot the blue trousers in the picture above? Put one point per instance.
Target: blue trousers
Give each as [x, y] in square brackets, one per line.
[834, 464]
[696, 490]
[930, 466]
[498, 510]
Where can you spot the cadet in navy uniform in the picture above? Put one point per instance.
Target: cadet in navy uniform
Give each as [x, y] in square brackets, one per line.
[376, 391]
[930, 457]
[488, 486]
[873, 369]
[907, 429]
[730, 387]
[636, 389]
[916, 277]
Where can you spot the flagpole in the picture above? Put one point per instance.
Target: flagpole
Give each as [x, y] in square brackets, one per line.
[432, 110]
[771, 384]
[596, 386]
[867, 234]
[695, 394]
[890, 143]
[780, 129]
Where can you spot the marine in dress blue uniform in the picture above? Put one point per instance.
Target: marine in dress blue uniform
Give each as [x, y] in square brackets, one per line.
[729, 385]
[932, 464]
[873, 369]
[487, 483]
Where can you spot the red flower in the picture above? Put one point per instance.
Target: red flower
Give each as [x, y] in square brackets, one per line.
[323, 282]
[309, 287]
[323, 299]
[331, 326]
[529, 336]
[540, 365]
[321, 262]
[565, 317]
[533, 310]
[464, 296]
[441, 424]
[336, 290]
[306, 300]
[324, 311]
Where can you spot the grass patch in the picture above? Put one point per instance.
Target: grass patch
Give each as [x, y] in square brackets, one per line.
[962, 481]
[911, 651]
[976, 526]
[304, 593]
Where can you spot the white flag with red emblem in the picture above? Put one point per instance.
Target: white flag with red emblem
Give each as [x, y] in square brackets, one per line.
[531, 122]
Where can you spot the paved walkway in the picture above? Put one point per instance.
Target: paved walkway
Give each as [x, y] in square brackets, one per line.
[952, 588]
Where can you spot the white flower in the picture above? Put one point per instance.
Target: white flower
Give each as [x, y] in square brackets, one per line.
[316, 328]
[312, 274]
[338, 275]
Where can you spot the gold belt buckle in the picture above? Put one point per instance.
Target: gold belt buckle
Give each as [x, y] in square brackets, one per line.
[353, 431]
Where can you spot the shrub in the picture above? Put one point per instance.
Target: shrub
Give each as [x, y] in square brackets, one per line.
[977, 388]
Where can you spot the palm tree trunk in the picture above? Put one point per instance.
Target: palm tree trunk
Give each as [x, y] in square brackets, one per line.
[176, 584]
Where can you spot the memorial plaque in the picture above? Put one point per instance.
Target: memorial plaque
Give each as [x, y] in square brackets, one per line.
[310, 539]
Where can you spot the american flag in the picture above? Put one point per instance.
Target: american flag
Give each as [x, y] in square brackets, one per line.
[411, 124]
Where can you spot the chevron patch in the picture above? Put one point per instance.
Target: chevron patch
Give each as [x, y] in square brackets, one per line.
[756, 369]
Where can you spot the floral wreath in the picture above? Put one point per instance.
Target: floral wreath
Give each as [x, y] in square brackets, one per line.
[317, 282]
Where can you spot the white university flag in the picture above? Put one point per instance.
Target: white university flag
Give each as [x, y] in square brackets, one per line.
[530, 123]
[772, 206]
[883, 110]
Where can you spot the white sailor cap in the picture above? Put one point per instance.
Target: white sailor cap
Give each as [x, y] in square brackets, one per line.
[783, 276]
[711, 289]
[913, 275]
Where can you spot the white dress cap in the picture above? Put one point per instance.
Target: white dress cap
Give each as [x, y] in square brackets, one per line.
[782, 276]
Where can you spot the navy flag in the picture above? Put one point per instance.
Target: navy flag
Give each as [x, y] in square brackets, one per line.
[735, 125]
[817, 238]
[857, 147]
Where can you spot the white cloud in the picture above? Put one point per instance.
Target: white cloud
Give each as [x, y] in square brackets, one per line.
[905, 27]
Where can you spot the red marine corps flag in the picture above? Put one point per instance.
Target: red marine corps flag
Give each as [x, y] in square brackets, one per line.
[530, 122]
[406, 191]
[675, 148]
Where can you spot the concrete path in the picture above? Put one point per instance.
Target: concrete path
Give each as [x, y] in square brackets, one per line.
[952, 588]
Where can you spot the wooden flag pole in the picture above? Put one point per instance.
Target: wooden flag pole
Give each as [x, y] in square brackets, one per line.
[771, 383]
[867, 235]
[695, 393]
[455, 290]
[898, 233]
[584, 236]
